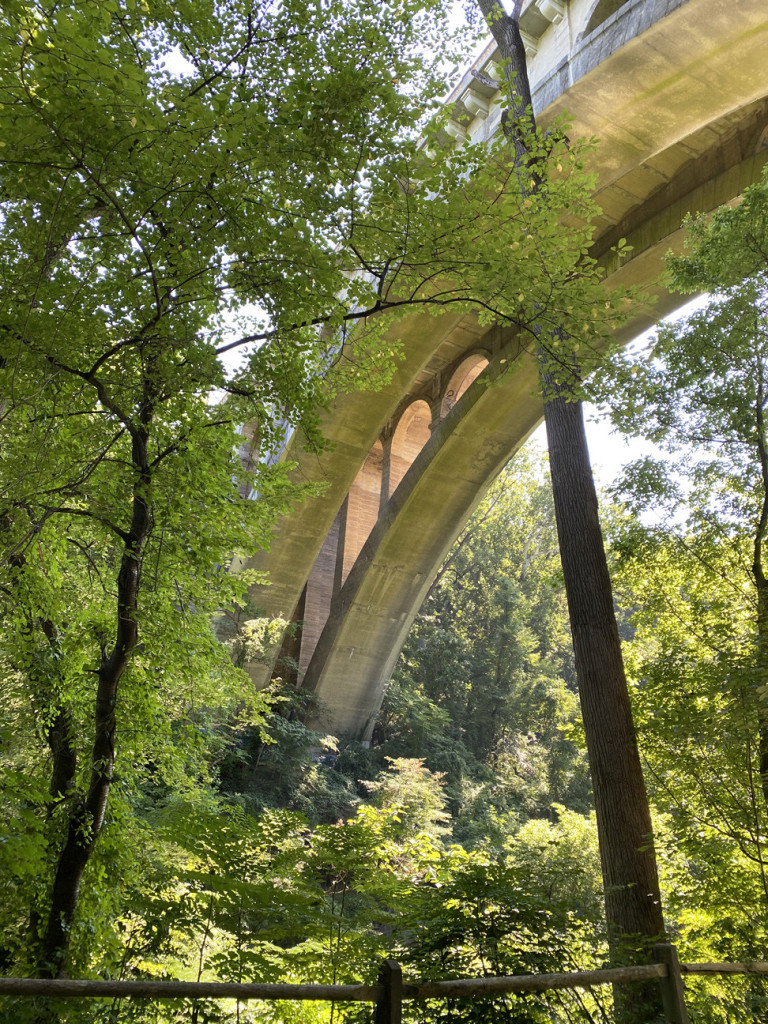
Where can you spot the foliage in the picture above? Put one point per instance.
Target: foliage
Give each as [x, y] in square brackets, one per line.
[533, 905]
[226, 896]
[484, 689]
[178, 181]
[691, 561]
[158, 163]
[414, 796]
[287, 764]
[694, 698]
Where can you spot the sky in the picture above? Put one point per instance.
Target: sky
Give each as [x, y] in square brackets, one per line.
[609, 450]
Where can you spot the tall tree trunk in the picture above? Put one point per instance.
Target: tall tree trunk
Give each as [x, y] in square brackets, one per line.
[630, 879]
[627, 855]
[761, 584]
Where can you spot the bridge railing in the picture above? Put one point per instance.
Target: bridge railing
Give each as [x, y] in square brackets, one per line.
[391, 991]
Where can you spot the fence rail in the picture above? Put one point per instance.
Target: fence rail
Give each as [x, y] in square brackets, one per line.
[59, 988]
[758, 967]
[390, 991]
[464, 987]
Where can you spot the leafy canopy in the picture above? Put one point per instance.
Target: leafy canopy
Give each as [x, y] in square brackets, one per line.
[172, 178]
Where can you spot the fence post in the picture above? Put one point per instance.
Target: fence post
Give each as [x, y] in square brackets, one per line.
[672, 992]
[389, 1009]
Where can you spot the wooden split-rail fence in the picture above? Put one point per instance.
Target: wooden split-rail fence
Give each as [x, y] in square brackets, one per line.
[391, 991]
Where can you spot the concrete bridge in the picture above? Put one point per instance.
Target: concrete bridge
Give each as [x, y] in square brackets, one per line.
[677, 93]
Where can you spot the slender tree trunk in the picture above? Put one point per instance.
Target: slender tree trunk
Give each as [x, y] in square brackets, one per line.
[630, 879]
[43, 680]
[86, 816]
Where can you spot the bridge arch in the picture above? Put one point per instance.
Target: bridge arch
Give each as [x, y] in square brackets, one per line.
[411, 433]
[465, 374]
[362, 508]
[373, 612]
[677, 92]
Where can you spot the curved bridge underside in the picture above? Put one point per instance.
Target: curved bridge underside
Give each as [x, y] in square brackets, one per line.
[677, 93]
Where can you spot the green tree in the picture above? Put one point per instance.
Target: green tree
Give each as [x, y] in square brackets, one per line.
[694, 698]
[156, 213]
[690, 663]
[700, 393]
[413, 794]
[633, 900]
[695, 571]
[532, 904]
